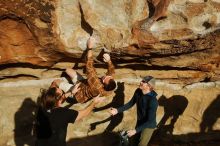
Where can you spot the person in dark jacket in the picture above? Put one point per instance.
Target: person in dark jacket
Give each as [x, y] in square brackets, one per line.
[146, 101]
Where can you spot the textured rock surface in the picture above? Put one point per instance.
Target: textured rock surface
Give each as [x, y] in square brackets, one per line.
[39, 39]
[196, 103]
[45, 32]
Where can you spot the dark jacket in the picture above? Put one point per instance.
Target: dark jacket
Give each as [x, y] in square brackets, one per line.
[146, 109]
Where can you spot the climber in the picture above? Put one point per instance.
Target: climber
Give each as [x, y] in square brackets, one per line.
[90, 87]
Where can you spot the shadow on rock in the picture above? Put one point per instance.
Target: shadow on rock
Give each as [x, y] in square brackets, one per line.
[24, 123]
[105, 139]
[210, 116]
[173, 108]
[118, 100]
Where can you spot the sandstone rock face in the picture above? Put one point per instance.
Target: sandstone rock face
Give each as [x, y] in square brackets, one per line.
[55, 31]
[185, 112]
[39, 39]
[17, 47]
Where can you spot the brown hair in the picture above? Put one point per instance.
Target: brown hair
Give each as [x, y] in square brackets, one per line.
[48, 98]
[110, 86]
